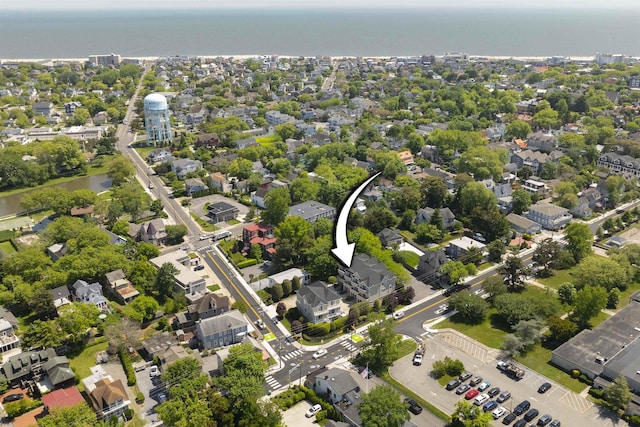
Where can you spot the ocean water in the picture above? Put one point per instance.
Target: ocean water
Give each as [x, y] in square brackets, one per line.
[40, 34]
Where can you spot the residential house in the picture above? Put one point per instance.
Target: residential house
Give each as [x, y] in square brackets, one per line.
[389, 237]
[536, 187]
[367, 279]
[160, 155]
[522, 224]
[289, 275]
[534, 159]
[57, 251]
[172, 354]
[156, 344]
[184, 166]
[260, 234]
[457, 248]
[541, 141]
[620, 164]
[549, 216]
[211, 304]
[186, 280]
[152, 231]
[429, 267]
[207, 140]
[61, 296]
[30, 365]
[219, 182]
[62, 398]
[193, 185]
[311, 211]
[120, 287]
[221, 211]
[335, 384]
[89, 293]
[317, 302]
[406, 157]
[219, 331]
[8, 325]
[81, 211]
[582, 208]
[108, 397]
[594, 197]
[258, 196]
[43, 109]
[425, 214]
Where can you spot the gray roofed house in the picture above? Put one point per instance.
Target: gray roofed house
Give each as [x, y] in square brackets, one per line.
[390, 237]
[157, 344]
[549, 216]
[89, 294]
[317, 302]
[424, 215]
[193, 185]
[61, 296]
[184, 166]
[219, 331]
[24, 366]
[522, 224]
[367, 279]
[153, 231]
[429, 267]
[120, 287]
[458, 247]
[311, 211]
[335, 383]
[211, 304]
[221, 211]
[58, 370]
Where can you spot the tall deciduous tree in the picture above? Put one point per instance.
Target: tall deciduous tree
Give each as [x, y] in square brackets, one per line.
[165, 282]
[382, 348]
[456, 271]
[471, 308]
[469, 416]
[294, 236]
[579, 240]
[588, 303]
[120, 169]
[514, 272]
[277, 203]
[521, 201]
[618, 393]
[383, 407]
[80, 415]
[545, 254]
[517, 129]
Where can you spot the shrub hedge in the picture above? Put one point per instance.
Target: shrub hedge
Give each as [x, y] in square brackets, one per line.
[15, 409]
[127, 365]
[247, 263]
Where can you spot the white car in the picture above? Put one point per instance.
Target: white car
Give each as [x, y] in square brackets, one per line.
[260, 324]
[498, 412]
[313, 410]
[154, 371]
[480, 399]
[318, 354]
[398, 314]
[417, 360]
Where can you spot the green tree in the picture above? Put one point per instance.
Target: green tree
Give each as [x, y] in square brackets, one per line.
[382, 348]
[121, 227]
[276, 292]
[471, 308]
[613, 298]
[294, 236]
[175, 234]
[437, 192]
[120, 169]
[142, 309]
[285, 131]
[427, 233]
[494, 286]
[480, 162]
[588, 303]
[517, 129]
[567, 293]
[521, 201]
[514, 272]
[42, 334]
[561, 330]
[513, 308]
[383, 407]
[320, 263]
[599, 271]
[545, 254]
[547, 118]
[456, 271]
[378, 218]
[579, 240]
[277, 203]
[467, 415]
[76, 318]
[80, 415]
[618, 393]
[165, 282]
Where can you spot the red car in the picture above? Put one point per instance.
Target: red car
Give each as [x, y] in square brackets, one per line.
[471, 394]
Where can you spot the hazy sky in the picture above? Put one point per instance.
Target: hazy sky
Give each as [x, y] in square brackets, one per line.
[269, 4]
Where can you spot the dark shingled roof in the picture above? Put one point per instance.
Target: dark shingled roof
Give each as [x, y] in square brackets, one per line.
[317, 293]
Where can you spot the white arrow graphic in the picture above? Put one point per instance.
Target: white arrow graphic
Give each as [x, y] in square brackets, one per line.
[344, 250]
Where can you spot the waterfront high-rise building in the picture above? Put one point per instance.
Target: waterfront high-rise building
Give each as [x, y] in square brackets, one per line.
[156, 120]
[105, 60]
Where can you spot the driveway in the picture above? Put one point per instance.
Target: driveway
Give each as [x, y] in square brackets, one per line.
[197, 207]
[570, 408]
[147, 387]
[294, 416]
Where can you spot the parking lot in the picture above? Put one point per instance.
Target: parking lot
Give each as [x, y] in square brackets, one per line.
[149, 387]
[570, 408]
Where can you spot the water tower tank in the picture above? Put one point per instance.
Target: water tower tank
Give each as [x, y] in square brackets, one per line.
[156, 120]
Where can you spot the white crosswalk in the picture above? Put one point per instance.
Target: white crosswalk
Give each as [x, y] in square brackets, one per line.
[273, 383]
[291, 355]
[348, 345]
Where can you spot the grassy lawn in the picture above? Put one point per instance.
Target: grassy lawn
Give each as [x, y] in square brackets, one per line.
[484, 266]
[443, 380]
[268, 141]
[144, 151]
[406, 347]
[213, 288]
[206, 226]
[538, 359]
[7, 248]
[411, 258]
[559, 277]
[233, 222]
[86, 359]
[601, 317]
[626, 294]
[487, 332]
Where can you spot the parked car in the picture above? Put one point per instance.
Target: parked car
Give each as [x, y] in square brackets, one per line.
[511, 417]
[544, 420]
[417, 359]
[453, 384]
[198, 267]
[520, 423]
[522, 407]
[494, 392]
[531, 414]
[162, 398]
[398, 314]
[13, 397]
[490, 406]
[475, 381]
[555, 423]
[318, 354]
[260, 324]
[463, 389]
[498, 412]
[465, 376]
[504, 396]
[484, 385]
[480, 399]
[544, 388]
[414, 408]
[471, 394]
[313, 410]
[154, 371]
